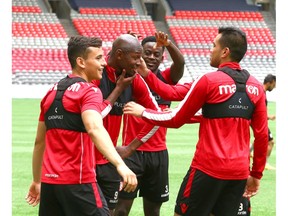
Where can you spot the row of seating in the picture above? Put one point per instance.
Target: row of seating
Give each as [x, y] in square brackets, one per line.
[214, 22]
[108, 30]
[38, 30]
[39, 42]
[111, 17]
[77, 4]
[36, 17]
[226, 15]
[109, 11]
[206, 52]
[206, 35]
[26, 9]
[39, 59]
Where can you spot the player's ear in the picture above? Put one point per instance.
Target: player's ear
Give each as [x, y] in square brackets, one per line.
[119, 53]
[80, 62]
[226, 52]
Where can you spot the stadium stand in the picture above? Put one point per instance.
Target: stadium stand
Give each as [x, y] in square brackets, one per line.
[194, 30]
[40, 41]
[109, 19]
[29, 6]
[38, 45]
[40, 37]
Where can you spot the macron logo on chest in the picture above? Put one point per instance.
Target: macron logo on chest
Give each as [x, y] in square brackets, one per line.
[230, 89]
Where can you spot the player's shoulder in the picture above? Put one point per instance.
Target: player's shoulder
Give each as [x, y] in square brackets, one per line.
[254, 80]
[82, 88]
[215, 77]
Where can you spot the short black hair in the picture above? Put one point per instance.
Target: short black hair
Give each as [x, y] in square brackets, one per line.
[78, 47]
[150, 39]
[269, 78]
[235, 39]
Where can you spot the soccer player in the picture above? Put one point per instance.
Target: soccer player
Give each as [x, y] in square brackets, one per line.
[230, 99]
[269, 84]
[150, 161]
[126, 54]
[70, 126]
[178, 92]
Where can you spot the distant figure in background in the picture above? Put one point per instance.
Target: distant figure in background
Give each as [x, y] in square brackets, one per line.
[269, 84]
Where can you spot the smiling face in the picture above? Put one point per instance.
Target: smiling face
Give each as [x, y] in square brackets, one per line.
[130, 61]
[152, 56]
[93, 63]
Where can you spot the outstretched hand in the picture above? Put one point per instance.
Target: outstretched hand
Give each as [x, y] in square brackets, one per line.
[161, 39]
[133, 108]
[252, 187]
[33, 195]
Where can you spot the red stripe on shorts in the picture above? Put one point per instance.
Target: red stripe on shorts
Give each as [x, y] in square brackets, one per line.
[188, 187]
[99, 203]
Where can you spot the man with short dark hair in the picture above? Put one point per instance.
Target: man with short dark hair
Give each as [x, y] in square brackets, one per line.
[269, 84]
[70, 126]
[230, 99]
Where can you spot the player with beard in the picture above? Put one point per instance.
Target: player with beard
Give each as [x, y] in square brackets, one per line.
[231, 99]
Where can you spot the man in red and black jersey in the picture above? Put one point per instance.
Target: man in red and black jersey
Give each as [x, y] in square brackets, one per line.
[126, 55]
[70, 126]
[230, 99]
[150, 160]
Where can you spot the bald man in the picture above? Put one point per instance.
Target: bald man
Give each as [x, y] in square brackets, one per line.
[125, 55]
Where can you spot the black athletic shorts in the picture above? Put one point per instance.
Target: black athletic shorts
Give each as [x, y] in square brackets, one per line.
[201, 194]
[244, 207]
[108, 180]
[72, 200]
[151, 169]
[270, 136]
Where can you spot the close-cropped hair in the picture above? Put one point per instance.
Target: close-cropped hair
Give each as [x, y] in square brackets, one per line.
[150, 39]
[78, 46]
[269, 78]
[235, 39]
